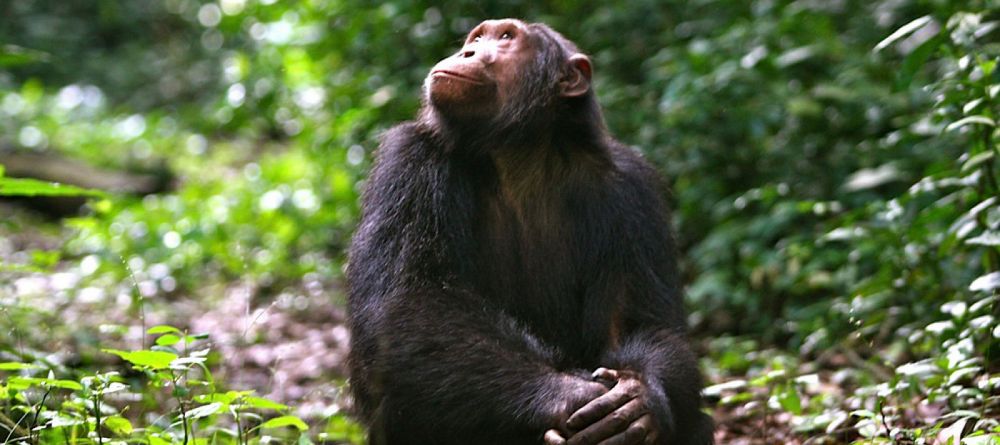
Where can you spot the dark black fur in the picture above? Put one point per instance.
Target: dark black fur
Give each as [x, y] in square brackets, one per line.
[493, 260]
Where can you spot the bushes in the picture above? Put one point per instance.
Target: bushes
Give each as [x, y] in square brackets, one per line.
[833, 168]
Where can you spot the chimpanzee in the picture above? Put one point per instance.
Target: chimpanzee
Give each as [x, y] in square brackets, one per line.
[513, 279]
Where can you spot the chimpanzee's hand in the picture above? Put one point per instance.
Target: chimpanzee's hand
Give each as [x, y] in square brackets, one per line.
[578, 393]
[621, 416]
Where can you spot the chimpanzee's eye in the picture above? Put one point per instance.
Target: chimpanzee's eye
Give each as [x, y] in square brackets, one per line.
[477, 38]
[506, 36]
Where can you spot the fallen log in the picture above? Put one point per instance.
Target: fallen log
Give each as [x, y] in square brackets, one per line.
[57, 168]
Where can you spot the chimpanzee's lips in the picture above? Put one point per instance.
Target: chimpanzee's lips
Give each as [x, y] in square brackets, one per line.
[454, 75]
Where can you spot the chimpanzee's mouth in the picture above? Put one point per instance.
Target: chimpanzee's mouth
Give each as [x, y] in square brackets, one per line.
[454, 75]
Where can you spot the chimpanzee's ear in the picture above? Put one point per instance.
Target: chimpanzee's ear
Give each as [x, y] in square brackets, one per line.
[576, 82]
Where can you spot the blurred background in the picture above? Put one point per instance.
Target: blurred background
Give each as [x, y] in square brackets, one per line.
[832, 165]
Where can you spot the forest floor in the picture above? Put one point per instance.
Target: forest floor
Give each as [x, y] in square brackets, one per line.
[289, 347]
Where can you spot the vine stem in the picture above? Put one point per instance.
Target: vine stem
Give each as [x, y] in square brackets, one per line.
[97, 417]
[38, 412]
[180, 403]
[13, 427]
[239, 428]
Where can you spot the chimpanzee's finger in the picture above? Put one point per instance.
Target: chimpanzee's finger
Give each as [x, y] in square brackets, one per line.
[615, 423]
[596, 409]
[553, 437]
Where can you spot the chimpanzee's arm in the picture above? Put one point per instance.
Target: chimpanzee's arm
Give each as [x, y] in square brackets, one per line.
[655, 344]
[655, 392]
[651, 344]
[440, 362]
[663, 361]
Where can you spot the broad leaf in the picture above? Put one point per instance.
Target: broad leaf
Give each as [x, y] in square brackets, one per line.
[969, 120]
[15, 366]
[904, 31]
[119, 425]
[149, 359]
[279, 422]
[986, 282]
[203, 411]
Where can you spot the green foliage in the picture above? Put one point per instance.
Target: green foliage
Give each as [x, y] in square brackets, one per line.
[51, 410]
[833, 167]
[269, 221]
[907, 254]
[32, 187]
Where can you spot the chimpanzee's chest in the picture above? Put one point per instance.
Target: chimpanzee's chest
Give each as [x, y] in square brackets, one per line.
[537, 259]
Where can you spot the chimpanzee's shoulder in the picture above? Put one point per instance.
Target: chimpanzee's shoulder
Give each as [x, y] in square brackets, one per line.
[409, 141]
[630, 163]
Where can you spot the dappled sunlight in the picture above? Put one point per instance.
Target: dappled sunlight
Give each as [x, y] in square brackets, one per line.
[180, 180]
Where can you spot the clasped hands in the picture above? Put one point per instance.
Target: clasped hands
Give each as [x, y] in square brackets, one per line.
[609, 410]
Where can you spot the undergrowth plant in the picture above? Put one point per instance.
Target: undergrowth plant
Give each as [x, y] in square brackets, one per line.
[922, 275]
[188, 407]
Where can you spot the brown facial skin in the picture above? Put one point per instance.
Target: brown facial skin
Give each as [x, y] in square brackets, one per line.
[491, 66]
[471, 82]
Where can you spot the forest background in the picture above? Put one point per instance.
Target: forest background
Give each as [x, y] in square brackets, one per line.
[833, 167]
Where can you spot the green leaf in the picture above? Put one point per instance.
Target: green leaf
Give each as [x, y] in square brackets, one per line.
[15, 366]
[938, 328]
[971, 105]
[952, 434]
[64, 384]
[185, 361]
[61, 420]
[988, 66]
[962, 374]
[215, 397]
[863, 413]
[921, 368]
[20, 383]
[977, 159]
[789, 400]
[738, 398]
[34, 187]
[12, 55]
[168, 340]
[149, 359]
[904, 31]
[204, 410]
[983, 304]
[157, 440]
[282, 421]
[987, 238]
[717, 390]
[114, 387]
[340, 428]
[27, 382]
[180, 391]
[163, 329]
[990, 439]
[262, 403]
[45, 258]
[917, 59]
[119, 425]
[969, 120]
[868, 178]
[986, 282]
